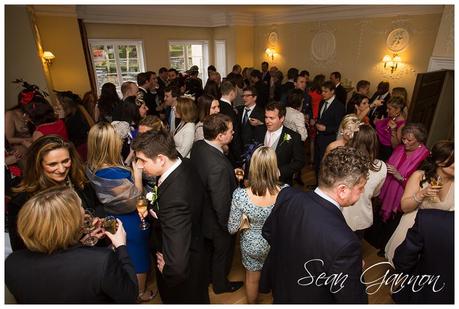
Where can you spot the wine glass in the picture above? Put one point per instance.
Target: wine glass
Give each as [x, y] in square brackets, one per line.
[436, 183]
[142, 208]
[88, 227]
[109, 224]
[239, 172]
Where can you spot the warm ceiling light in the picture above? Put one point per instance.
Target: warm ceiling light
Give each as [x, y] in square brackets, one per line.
[392, 62]
[48, 57]
[270, 52]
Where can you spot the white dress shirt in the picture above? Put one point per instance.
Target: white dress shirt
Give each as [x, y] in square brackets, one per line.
[326, 105]
[323, 195]
[271, 137]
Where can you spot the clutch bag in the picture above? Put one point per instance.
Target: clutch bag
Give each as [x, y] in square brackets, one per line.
[245, 223]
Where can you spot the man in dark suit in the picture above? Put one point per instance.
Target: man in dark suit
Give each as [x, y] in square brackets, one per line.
[379, 102]
[228, 91]
[193, 83]
[177, 227]
[250, 119]
[265, 75]
[428, 250]
[315, 257]
[287, 143]
[262, 88]
[218, 177]
[331, 112]
[162, 83]
[340, 92]
[147, 83]
[292, 75]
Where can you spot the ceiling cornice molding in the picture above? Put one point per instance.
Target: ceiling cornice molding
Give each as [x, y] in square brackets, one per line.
[199, 16]
[340, 12]
[55, 10]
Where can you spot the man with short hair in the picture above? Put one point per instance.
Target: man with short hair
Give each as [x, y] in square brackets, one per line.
[128, 89]
[287, 143]
[172, 75]
[171, 94]
[266, 76]
[315, 257]
[331, 112]
[193, 83]
[292, 74]
[250, 119]
[340, 92]
[262, 88]
[228, 91]
[147, 83]
[177, 225]
[219, 180]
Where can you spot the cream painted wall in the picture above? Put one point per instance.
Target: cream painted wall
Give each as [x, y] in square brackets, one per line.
[244, 47]
[61, 36]
[227, 34]
[21, 53]
[360, 47]
[155, 39]
[444, 45]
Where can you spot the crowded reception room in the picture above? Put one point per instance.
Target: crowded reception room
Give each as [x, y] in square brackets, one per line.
[229, 154]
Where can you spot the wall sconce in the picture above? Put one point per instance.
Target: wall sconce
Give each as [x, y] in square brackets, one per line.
[270, 52]
[392, 62]
[48, 57]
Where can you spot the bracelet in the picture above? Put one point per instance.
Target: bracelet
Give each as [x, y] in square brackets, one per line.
[415, 199]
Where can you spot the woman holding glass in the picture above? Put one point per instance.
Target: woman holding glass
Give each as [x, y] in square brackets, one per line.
[119, 189]
[50, 161]
[55, 268]
[432, 186]
[256, 202]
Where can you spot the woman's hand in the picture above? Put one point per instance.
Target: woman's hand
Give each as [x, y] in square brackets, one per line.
[119, 238]
[255, 122]
[428, 191]
[393, 171]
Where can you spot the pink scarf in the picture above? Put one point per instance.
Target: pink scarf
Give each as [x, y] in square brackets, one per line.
[392, 189]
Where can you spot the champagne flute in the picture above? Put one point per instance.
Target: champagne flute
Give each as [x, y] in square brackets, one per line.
[142, 208]
[239, 172]
[436, 183]
[88, 227]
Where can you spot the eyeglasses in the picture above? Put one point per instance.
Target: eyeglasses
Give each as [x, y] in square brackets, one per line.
[247, 95]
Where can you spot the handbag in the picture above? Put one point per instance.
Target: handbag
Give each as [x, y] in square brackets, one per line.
[245, 223]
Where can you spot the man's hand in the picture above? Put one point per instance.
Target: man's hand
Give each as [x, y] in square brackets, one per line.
[160, 261]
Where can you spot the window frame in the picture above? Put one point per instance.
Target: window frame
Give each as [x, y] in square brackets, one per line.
[116, 43]
[205, 53]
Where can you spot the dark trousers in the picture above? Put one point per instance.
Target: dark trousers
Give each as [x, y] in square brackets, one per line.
[221, 250]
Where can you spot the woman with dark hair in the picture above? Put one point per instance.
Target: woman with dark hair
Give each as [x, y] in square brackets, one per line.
[54, 268]
[43, 117]
[212, 89]
[360, 216]
[403, 162]
[361, 106]
[207, 105]
[107, 100]
[389, 129]
[89, 103]
[187, 111]
[77, 120]
[50, 161]
[316, 96]
[432, 186]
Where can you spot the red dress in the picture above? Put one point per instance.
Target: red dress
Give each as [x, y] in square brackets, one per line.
[57, 128]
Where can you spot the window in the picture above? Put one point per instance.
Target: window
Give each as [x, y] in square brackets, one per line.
[220, 56]
[184, 54]
[116, 61]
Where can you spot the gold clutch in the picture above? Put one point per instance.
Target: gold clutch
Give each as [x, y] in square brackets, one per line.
[245, 223]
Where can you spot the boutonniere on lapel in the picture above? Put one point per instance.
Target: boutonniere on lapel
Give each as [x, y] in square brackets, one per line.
[152, 198]
[285, 138]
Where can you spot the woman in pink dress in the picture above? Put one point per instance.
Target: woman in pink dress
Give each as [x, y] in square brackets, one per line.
[316, 96]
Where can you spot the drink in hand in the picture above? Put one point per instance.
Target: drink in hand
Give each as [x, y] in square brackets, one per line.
[141, 209]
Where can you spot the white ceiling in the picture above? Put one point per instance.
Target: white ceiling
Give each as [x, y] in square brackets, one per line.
[226, 15]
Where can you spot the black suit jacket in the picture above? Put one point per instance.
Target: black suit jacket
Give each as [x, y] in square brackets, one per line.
[309, 236]
[290, 155]
[235, 147]
[248, 133]
[150, 101]
[341, 94]
[180, 200]
[266, 78]
[428, 250]
[262, 94]
[331, 118]
[217, 176]
[78, 275]
[379, 111]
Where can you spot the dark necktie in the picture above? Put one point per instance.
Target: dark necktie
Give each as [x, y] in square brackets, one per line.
[324, 108]
[246, 116]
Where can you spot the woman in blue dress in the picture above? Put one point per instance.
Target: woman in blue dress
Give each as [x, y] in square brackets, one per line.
[256, 202]
[118, 189]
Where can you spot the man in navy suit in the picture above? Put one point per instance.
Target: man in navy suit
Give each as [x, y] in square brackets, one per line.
[331, 112]
[315, 257]
[340, 92]
[287, 143]
[428, 250]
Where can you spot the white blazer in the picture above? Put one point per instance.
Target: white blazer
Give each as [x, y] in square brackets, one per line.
[294, 120]
[184, 138]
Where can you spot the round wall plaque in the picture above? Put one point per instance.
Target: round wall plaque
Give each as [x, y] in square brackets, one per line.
[397, 40]
[273, 38]
[323, 45]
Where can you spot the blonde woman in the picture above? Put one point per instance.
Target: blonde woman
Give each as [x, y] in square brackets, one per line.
[184, 133]
[118, 189]
[348, 126]
[54, 268]
[256, 202]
